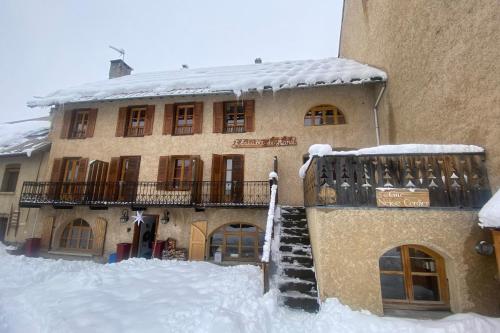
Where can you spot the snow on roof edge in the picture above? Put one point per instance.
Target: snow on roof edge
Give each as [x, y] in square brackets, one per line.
[489, 215]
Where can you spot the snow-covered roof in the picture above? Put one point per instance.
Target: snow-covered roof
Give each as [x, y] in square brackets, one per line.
[24, 137]
[489, 215]
[413, 148]
[217, 80]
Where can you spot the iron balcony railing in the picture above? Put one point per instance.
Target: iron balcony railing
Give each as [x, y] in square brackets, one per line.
[452, 180]
[145, 194]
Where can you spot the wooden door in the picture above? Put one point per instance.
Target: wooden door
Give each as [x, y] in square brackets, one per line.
[129, 175]
[197, 240]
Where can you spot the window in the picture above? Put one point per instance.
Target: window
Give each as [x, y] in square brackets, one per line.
[237, 242]
[184, 119]
[79, 124]
[10, 177]
[182, 173]
[136, 119]
[413, 274]
[324, 115]
[77, 235]
[234, 117]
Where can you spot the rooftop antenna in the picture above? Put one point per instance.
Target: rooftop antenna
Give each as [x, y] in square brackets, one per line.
[121, 51]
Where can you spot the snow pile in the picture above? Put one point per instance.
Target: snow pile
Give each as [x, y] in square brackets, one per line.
[138, 295]
[15, 134]
[269, 223]
[413, 148]
[236, 79]
[489, 215]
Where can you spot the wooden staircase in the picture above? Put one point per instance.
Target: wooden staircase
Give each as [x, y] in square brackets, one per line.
[296, 276]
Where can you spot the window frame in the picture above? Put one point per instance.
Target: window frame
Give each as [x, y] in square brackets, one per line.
[181, 183]
[73, 133]
[177, 108]
[321, 112]
[257, 247]
[406, 272]
[6, 180]
[66, 236]
[135, 131]
[234, 128]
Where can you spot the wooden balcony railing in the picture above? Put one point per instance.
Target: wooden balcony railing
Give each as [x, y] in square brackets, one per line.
[453, 180]
[146, 194]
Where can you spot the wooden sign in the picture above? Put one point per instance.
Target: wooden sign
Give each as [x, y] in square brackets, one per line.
[262, 143]
[402, 197]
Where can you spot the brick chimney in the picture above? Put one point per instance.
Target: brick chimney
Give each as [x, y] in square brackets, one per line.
[119, 68]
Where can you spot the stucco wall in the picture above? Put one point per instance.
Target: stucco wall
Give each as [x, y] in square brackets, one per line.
[347, 244]
[29, 169]
[279, 114]
[178, 228]
[441, 58]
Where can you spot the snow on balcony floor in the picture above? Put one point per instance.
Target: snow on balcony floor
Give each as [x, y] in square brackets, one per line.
[42, 295]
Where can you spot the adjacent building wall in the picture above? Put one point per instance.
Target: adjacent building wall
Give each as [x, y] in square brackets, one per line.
[347, 244]
[30, 169]
[441, 58]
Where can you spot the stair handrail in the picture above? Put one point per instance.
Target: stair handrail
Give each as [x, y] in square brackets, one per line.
[266, 250]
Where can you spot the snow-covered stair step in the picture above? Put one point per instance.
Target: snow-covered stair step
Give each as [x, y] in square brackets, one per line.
[302, 287]
[301, 303]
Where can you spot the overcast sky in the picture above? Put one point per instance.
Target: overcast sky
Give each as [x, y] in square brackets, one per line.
[47, 45]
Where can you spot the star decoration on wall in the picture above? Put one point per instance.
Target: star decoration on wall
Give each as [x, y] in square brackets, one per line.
[138, 217]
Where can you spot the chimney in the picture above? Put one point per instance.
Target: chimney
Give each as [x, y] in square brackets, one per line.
[119, 68]
[258, 60]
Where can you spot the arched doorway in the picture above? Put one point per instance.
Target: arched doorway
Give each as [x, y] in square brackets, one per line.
[413, 276]
[77, 236]
[237, 242]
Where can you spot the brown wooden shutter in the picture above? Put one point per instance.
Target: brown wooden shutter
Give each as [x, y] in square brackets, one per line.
[149, 121]
[132, 173]
[238, 177]
[218, 117]
[121, 123]
[66, 124]
[162, 173]
[97, 177]
[82, 169]
[197, 177]
[168, 119]
[91, 123]
[57, 168]
[216, 186]
[249, 107]
[198, 118]
[46, 238]
[99, 233]
[113, 174]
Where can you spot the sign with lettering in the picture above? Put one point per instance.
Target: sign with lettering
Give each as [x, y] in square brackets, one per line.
[261, 143]
[402, 197]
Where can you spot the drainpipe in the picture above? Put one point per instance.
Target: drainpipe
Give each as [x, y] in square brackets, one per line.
[375, 113]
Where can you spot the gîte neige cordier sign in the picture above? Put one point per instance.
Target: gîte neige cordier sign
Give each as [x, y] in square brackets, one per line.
[402, 197]
[261, 143]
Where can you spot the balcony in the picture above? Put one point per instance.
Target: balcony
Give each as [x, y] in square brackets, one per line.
[101, 195]
[446, 180]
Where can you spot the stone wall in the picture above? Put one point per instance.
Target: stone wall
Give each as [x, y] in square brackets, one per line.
[347, 244]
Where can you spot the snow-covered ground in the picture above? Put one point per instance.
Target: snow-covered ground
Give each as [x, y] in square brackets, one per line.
[39, 295]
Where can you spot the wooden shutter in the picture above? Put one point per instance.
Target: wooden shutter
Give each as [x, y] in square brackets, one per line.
[112, 181]
[249, 107]
[198, 118]
[122, 120]
[148, 122]
[162, 173]
[91, 123]
[168, 119]
[57, 168]
[46, 238]
[132, 173]
[66, 124]
[216, 187]
[82, 170]
[97, 180]
[197, 177]
[218, 117]
[99, 232]
[238, 177]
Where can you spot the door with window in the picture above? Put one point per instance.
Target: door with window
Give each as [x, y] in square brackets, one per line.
[128, 177]
[227, 178]
[68, 178]
[413, 276]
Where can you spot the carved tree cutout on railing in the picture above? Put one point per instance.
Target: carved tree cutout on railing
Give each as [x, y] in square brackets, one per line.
[387, 177]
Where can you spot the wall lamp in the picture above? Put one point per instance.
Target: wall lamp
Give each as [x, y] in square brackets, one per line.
[166, 217]
[124, 218]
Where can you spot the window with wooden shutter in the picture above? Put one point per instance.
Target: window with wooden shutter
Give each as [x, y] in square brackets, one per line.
[121, 123]
[66, 123]
[168, 119]
[234, 117]
[184, 118]
[149, 121]
[129, 175]
[249, 107]
[136, 121]
[182, 172]
[81, 124]
[218, 117]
